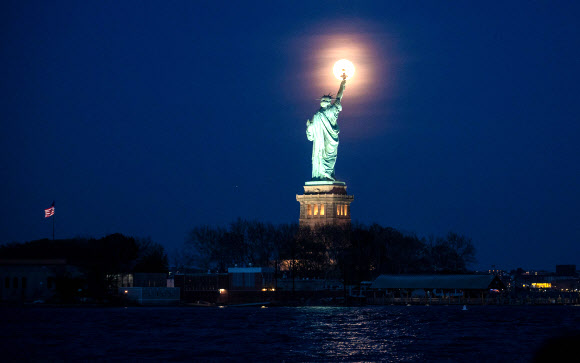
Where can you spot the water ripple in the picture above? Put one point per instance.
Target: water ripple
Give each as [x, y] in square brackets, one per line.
[320, 334]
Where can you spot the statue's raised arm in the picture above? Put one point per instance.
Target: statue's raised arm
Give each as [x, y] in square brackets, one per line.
[341, 89]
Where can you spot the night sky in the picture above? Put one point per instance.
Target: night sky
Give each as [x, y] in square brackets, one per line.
[148, 119]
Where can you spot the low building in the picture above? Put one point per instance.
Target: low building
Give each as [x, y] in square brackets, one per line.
[239, 285]
[307, 285]
[564, 278]
[251, 278]
[210, 287]
[139, 279]
[30, 280]
[438, 285]
[566, 270]
[149, 279]
[571, 285]
[250, 285]
[147, 288]
[151, 295]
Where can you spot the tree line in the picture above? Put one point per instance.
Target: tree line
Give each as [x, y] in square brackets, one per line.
[351, 253]
[354, 253]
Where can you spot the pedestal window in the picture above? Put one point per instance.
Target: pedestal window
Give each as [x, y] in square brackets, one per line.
[324, 203]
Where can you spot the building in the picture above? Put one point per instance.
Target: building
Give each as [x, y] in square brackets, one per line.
[438, 285]
[30, 280]
[212, 288]
[139, 279]
[147, 288]
[251, 279]
[565, 279]
[151, 295]
[324, 202]
[239, 285]
[566, 270]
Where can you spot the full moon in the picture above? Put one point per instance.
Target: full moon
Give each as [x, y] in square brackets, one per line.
[341, 67]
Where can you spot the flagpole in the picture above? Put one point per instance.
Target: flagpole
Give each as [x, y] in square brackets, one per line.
[53, 220]
[50, 213]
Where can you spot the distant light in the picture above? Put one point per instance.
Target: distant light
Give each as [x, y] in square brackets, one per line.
[126, 291]
[541, 285]
[263, 306]
[341, 67]
[222, 291]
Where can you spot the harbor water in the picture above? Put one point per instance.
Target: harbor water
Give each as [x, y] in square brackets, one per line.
[290, 334]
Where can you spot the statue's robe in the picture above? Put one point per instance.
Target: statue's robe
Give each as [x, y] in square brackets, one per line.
[323, 132]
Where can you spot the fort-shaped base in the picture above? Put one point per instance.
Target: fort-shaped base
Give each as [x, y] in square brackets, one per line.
[323, 203]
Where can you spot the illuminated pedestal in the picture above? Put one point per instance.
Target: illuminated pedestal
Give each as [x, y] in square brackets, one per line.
[324, 202]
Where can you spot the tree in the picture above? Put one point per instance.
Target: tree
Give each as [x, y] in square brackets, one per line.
[353, 253]
[260, 243]
[151, 257]
[242, 243]
[463, 251]
[203, 246]
[393, 252]
[453, 253]
[287, 246]
[361, 255]
[109, 256]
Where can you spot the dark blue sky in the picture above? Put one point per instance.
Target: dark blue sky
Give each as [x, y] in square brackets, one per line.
[148, 118]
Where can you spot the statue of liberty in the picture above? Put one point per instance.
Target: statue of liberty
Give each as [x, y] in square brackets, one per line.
[323, 131]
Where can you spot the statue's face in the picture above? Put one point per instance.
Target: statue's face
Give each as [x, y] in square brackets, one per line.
[325, 102]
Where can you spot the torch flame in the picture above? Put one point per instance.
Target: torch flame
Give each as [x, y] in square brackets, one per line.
[343, 69]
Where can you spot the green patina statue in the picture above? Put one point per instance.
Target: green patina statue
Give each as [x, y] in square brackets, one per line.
[323, 132]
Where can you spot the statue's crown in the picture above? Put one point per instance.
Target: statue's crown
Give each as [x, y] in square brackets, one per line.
[328, 96]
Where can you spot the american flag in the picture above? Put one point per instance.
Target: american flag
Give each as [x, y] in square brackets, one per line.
[49, 212]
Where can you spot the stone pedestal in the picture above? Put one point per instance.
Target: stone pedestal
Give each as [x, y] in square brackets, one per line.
[324, 202]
